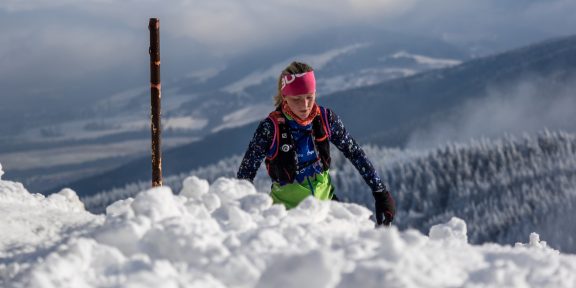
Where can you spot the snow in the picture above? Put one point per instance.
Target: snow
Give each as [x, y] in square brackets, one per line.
[425, 60]
[454, 229]
[205, 74]
[66, 155]
[185, 123]
[227, 234]
[78, 129]
[360, 78]
[244, 116]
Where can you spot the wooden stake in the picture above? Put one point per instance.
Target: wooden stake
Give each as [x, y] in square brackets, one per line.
[155, 90]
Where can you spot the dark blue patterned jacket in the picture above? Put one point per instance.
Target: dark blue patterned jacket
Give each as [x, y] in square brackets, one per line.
[263, 137]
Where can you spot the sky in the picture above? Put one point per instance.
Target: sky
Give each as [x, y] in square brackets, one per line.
[46, 45]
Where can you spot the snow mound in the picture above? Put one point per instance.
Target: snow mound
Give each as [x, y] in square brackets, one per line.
[454, 230]
[32, 225]
[227, 234]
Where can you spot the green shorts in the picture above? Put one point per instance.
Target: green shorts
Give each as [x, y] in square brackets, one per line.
[320, 186]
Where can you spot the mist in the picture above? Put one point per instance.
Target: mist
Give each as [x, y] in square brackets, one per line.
[527, 106]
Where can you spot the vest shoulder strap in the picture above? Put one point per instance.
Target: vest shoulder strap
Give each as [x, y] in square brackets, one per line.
[321, 127]
[277, 118]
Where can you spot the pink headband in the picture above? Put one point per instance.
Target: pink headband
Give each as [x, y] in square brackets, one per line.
[298, 84]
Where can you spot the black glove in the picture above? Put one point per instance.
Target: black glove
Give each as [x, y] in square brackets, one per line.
[384, 207]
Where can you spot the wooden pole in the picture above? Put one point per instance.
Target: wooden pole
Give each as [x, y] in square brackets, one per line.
[155, 90]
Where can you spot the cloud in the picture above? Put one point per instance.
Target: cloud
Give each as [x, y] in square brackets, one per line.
[528, 106]
[224, 22]
[50, 44]
[58, 47]
[46, 41]
[229, 26]
[32, 5]
[230, 22]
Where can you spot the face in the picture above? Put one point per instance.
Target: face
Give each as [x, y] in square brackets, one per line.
[301, 105]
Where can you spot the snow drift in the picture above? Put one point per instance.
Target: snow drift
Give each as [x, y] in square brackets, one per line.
[229, 235]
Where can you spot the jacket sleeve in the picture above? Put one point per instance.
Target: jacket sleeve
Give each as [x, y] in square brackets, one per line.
[257, 150]
[353, 152]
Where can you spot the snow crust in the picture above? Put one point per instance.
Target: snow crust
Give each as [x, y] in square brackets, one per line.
[227, 234]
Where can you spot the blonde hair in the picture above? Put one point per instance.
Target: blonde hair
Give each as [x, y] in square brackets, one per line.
[294, 68]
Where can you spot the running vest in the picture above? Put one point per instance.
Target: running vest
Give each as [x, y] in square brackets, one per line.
[282, 161]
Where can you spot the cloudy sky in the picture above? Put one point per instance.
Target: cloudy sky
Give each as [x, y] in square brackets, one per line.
[53, 48]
